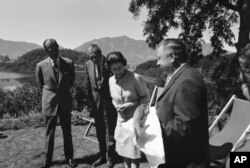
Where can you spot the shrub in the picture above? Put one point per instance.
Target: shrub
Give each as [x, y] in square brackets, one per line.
[20, 102]
[26, 100]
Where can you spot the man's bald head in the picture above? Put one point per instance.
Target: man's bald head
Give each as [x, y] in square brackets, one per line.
[49, 42]
[51, 48]
[176, 46]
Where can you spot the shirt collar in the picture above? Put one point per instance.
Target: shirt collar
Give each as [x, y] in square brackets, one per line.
[170, 76]
[179, 68]
[53, 61]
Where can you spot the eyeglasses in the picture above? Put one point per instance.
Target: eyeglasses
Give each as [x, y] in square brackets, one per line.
[94, 57]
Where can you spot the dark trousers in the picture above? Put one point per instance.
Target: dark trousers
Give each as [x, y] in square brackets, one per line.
[105, 133]
[51, 122]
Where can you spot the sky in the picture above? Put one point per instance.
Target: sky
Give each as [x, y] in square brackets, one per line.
[70, 22]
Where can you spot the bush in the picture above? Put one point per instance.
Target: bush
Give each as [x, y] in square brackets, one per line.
[33, 120]
[26, 100]
[20, 102]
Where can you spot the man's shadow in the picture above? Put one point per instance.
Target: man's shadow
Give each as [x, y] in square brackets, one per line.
[89, 160]
[85, 160]
[3, 136]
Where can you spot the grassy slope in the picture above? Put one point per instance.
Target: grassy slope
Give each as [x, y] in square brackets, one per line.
[23, 148]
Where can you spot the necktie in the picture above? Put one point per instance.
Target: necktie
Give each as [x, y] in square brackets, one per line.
[55, 69]
[98, 77]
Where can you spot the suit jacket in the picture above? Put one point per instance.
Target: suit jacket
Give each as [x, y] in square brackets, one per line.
[182, 111]
[98, 99]
[55, 93]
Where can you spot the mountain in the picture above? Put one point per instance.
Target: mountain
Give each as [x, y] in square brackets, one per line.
[135, 51]
[15, 49]
[27, 62]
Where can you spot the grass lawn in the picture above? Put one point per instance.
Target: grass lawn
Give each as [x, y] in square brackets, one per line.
[23, 149]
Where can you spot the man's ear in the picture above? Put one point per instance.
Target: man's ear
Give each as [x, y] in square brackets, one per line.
[172, 57]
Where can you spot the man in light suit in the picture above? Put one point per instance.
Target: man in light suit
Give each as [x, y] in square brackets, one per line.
[182, 109]
[100, 104]
[55, 76]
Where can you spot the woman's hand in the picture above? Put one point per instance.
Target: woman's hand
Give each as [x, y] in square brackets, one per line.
[140, 117]
[121, 108]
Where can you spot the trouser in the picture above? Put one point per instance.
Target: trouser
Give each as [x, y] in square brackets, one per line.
[105, 134]
[51, 122]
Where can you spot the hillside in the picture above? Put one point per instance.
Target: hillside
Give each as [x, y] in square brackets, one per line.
[206, 64]
[28, 61]
[15, 49]
[136, 51]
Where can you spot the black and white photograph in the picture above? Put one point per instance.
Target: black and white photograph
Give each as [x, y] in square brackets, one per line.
[124, 83]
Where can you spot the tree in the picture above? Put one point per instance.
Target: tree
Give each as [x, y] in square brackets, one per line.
[6, 58]
[193, 17]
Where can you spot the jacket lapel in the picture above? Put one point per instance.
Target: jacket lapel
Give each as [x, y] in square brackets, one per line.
[50, 69]
[60, 66]
[103, 69]
[172, 81]
[92, 71]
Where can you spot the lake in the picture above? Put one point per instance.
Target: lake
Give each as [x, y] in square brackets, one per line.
[11, 80]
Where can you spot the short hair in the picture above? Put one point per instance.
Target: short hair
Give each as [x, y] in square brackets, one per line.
[177, 46]
[245, 52]
[94, 48]
[116, 57]
[50, 41]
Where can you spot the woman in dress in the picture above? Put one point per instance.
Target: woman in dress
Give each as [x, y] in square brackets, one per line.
[128, 90]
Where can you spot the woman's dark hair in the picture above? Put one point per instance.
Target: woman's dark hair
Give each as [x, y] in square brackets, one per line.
[116, 57]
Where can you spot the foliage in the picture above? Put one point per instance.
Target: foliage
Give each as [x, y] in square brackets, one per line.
[33, 120]
[193, 18]
[19, 102]
[27, 62]
[26, 99]
[79, 96]
[4, 58]
[150, 69]
[218, 75]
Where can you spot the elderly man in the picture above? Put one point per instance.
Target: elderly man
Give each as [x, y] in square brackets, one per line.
[100, 104]
[182, 109]
[244, 61]
[55, 75]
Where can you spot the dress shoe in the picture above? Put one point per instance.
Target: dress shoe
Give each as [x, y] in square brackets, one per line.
[72, 163]
[46, 164]
[101, 160]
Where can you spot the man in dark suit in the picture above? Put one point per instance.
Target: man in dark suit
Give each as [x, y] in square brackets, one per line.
[55, 75]
[100, 104]
[182, 109]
